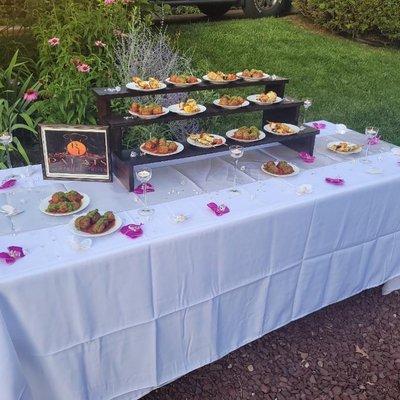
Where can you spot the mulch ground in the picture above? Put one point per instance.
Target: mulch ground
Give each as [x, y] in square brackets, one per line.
[347, 351]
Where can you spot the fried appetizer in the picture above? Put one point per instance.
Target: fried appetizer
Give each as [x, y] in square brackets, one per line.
[344, 147]
[247, 133]
[182, 79]
[252, 73]
[83, 223]
[220, 76]
[231, 101]
[63, 203]
[280, 128]
[94, 216]
[267, 98]
[189, 106]
[160, 146]
[151, 83]
[95, 223]
[278, 168]
[206, 139]
[146, 109]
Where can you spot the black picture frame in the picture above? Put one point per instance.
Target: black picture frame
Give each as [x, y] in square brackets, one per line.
[76, 152]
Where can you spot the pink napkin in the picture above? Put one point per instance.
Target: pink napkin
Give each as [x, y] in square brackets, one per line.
[374, 140]
[140, 189]
[307, 158]
[319, 125]
[218, 210]
[133, 231]
[335, 181]
[7, 184]
[14, 253]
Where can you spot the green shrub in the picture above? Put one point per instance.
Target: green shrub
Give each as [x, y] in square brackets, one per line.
[81, 54]
[355, 17]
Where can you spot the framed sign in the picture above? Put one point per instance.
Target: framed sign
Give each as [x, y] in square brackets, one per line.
[76, 152]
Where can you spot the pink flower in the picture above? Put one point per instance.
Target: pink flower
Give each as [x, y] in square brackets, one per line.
[82, 67]
[55, 41]
[99, 43]
[109, 2]
[31, 95]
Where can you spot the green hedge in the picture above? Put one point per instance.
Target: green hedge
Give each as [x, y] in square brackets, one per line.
[355, 17]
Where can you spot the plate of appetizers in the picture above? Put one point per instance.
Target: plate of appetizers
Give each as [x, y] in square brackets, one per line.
[231, 102]
[265, 98]
[205, 140]
[246, 134]
[252, 75]
[150, 85]
[188, 107]
[219, 77]
[281, 129]
[161, 147]
[95, 224]
[344, 147]
[147, 111]
[280, 169]
[183, 80]
[60, 204]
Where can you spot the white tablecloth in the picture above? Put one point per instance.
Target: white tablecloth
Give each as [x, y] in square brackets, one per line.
[127, 316]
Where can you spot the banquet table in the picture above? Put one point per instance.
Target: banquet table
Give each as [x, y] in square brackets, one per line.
[125, 316]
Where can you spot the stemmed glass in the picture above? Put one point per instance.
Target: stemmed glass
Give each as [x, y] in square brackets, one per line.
[307, 104]
[236, 153]
[370, 132]
[144, 176]
[5, 139]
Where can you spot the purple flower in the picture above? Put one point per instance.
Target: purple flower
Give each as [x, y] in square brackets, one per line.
[31, 95]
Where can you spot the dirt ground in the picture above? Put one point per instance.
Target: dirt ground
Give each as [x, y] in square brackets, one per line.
[347, 351]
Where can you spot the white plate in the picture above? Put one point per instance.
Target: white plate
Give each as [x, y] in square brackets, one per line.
[175, 108]
[178, 150]
[183, 84]
[253, 99]
[45, 203]
[133, 86]
[330, 144]
[230, 134]
[295, 172]
[165, 111]
[244, 104]
[240, 75]
[205, 77]
[203, 146]
[117, 225]
[295, 128]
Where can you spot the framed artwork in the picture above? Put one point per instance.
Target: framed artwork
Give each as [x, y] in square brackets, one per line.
[76, 152]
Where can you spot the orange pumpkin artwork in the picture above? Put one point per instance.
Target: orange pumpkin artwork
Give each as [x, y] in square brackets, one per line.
[76, 148]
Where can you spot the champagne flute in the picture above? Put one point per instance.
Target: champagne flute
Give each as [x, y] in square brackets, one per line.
[307, 104]
[144, 175]
[370, 132]
[6, 139]
[236, 152]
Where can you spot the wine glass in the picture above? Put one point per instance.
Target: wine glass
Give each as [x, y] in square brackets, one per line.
[236, 152]
[307, 103]
[144, 176]
[5, 139]
[370, 132]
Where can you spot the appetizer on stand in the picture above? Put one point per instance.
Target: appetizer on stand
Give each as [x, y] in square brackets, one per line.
[231, 102]
[188, 108]
[183, 80]
[149, 85]
[281, 129]
[219, 77]
[147, 111]
[205, 140]
[252, 75]
[265, 98]
[280, 168]
[246, 134]
[161, 147]
[64, 203]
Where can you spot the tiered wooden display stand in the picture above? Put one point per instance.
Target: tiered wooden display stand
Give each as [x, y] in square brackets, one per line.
[123, 164]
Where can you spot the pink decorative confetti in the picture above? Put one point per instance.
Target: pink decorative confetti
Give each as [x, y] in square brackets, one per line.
[133, 231]
[14, 253]
[335, 181]
[8, 184]
[307, 158]
[218, 210]
[319, 125]
[140, 189]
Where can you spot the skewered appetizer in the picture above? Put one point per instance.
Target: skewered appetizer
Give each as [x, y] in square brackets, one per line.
[160, 146]
[151, 83]
[64, 202]
[247, 133]
[278, 168]
[206, 139]
[189, 106]
[231, 101]
[220, 76]
[252, 73]
[95, 223]
[267, 98]
[280, 128]
[344, 147]
[182, 79]
[146, 109]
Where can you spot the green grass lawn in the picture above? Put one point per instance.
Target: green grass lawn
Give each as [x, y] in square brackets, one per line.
[350, 83]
